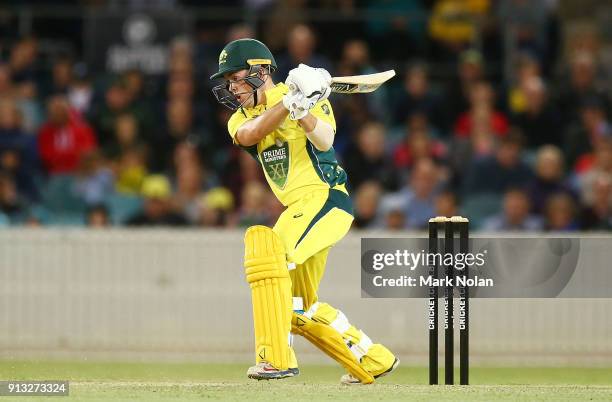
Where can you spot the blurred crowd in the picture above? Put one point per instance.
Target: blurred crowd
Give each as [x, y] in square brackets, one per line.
[488, 120]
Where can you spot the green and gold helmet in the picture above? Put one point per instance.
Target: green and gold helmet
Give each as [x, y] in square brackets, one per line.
[242, 54]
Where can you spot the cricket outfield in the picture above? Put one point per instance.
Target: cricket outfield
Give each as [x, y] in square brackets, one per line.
[192, 381]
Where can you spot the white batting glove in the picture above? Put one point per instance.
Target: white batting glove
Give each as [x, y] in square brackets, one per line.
[296, 103]
[326, 80]
[314, 83]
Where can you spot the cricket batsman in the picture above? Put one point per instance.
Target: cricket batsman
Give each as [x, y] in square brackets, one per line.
[289, 129]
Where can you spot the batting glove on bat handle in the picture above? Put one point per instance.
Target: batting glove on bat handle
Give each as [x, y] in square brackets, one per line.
[295, 103]
[326, 81]
[312, 82]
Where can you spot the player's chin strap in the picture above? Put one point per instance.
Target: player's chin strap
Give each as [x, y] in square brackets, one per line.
[255, 98]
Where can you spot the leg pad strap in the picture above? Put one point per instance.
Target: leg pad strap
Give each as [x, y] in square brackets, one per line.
[331, 343]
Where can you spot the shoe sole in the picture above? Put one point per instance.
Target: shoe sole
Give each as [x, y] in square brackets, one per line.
[293, 372]
[395, 364]
[390, 370]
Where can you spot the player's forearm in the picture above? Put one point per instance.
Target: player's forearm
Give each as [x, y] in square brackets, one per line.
[319, 133]
[253, 131]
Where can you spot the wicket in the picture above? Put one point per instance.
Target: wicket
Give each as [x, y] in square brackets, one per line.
[450, 226]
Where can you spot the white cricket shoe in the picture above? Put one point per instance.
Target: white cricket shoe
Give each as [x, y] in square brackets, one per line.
[265, 371]
[348, 379]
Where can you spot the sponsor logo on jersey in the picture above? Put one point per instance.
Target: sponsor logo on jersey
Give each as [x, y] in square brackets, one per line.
[275, 160]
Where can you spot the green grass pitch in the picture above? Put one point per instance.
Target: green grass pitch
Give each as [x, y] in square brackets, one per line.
[91, 381]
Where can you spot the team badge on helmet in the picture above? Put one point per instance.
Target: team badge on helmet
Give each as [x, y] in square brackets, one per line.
[222, 57]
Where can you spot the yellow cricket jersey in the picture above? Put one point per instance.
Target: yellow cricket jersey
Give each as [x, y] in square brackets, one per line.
[293, 166]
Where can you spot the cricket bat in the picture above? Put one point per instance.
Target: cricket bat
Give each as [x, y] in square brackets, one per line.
[355, 84]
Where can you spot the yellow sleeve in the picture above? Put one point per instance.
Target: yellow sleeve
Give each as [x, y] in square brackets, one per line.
[234, 123]
[323, 110]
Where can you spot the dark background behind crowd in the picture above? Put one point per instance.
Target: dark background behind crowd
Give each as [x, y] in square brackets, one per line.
[501, 111]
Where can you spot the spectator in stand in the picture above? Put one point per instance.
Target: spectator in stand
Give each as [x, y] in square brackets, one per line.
[453, 26]
[18, 151]
[581, 86]
[215, 207]
[527, 68]
[181, 64]
[181, 87]
[241, 168]
[157, 210]
[497, 173]
[470, 70]
[393, 214]
[135, 85]
[130, 170]
[301, 45]
[418, 196]
[139, 95]
[367, 199]
[12, 206]
[97, 217]
[281, 17]
[190, 182]
[356, 61]
[561, 213]
[597, 165]
[94, 180]
[181, 84]
[189, 179]
[116, 103]
[482, 98]
[528, 25]
[447, 204]
[417, 97]
[549, 178]
[6, 83]
[599, 159]
[240, 31]
[367, 160]
[515, 215]
[126, 135]
[22, 60]
[584, 137]
[179, 128]
[597, 214]
[182, 47]
[125, 95]
[418, 143]
[64, 139]
[81, 92]
[61, 77]
[25, 93]
[253, 209]
[540, 123]
[480, 144]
